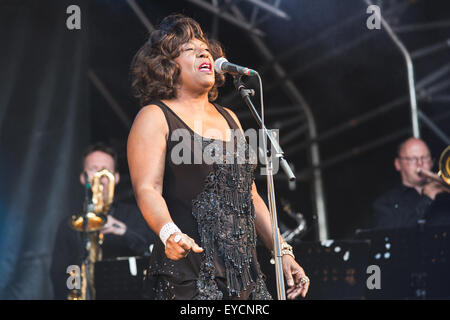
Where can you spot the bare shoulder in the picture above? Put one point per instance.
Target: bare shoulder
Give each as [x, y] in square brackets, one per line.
[151, 113]
[150, 119]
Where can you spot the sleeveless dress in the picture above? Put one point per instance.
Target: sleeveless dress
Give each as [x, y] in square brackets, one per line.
[212, 203]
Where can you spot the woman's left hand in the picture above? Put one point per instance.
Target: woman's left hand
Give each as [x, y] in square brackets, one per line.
[294, 275]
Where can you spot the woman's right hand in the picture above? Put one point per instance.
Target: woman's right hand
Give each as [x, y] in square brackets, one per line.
[179, 245]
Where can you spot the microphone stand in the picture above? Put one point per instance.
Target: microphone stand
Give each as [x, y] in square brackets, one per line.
[245, 94]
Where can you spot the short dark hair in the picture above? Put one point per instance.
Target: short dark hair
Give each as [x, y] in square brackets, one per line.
[103, 147]
[154, 72]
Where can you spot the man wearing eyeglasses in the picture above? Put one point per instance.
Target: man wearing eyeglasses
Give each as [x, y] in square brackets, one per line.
[412, 200]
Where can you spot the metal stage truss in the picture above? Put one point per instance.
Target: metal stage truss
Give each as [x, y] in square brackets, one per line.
[306, 137]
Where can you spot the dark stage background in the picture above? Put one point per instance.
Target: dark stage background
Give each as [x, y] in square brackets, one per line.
[61, 89]
[44, 123]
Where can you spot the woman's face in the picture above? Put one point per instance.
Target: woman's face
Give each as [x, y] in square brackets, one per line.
[197, 66]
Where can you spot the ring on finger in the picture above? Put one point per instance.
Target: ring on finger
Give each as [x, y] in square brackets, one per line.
[304, 280]
[177, 238]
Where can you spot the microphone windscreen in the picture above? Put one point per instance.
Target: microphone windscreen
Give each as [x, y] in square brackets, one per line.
[218, 64]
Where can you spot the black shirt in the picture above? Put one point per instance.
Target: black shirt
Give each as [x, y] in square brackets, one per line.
[400, 207]
[68, 247]
[439, 212]
[404, 206]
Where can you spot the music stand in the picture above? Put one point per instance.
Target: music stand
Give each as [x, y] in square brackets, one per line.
[337, 268]
[120, 278]
[414, 262]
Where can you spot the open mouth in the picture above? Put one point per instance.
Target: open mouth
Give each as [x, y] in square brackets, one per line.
[205, 67]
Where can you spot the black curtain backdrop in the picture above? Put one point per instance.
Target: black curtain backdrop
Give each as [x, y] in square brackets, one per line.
[44, 125]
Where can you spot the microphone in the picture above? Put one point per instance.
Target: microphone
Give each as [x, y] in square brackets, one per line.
[221, 65]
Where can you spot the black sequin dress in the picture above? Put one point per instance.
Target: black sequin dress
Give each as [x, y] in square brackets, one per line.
[211, 202]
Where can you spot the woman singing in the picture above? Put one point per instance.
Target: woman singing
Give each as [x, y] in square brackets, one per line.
[206, 214]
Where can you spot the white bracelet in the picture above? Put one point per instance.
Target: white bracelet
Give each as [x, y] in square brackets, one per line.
[167, 230]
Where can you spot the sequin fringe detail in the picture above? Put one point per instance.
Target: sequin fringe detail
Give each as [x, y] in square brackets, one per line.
[225, 215]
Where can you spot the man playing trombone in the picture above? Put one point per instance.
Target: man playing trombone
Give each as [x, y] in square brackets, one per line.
[420, 196]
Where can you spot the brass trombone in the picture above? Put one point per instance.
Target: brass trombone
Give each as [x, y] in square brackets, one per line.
[443, 175]
[89, 224]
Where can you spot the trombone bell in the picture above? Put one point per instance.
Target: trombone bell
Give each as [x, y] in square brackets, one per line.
[443, 176]
[444, 166]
